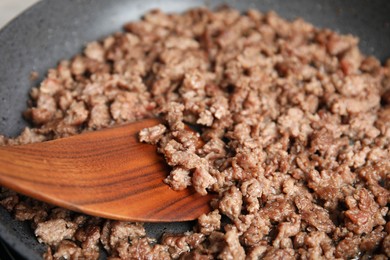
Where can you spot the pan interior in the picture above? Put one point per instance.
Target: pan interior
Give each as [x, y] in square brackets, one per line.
[54, 30]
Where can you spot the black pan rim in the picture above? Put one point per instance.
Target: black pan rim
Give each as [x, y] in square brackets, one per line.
[6, 231]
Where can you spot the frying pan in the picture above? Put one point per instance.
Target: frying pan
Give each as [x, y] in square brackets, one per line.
[55, 29]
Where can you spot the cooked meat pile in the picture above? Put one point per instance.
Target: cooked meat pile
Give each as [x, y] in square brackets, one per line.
[295, 122]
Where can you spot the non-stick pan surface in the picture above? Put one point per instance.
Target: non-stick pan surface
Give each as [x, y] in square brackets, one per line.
[56, 29]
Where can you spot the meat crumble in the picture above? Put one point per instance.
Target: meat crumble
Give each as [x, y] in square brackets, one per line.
[295, 129]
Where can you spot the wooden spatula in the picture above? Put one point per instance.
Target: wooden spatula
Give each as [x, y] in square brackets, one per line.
[107, 173]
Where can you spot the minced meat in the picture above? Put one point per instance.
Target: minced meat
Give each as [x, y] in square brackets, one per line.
[293, 136]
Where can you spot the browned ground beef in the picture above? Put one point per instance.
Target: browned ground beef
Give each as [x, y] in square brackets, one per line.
[295, 122]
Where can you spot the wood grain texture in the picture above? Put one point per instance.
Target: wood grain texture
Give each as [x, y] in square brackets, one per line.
[106, 173]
